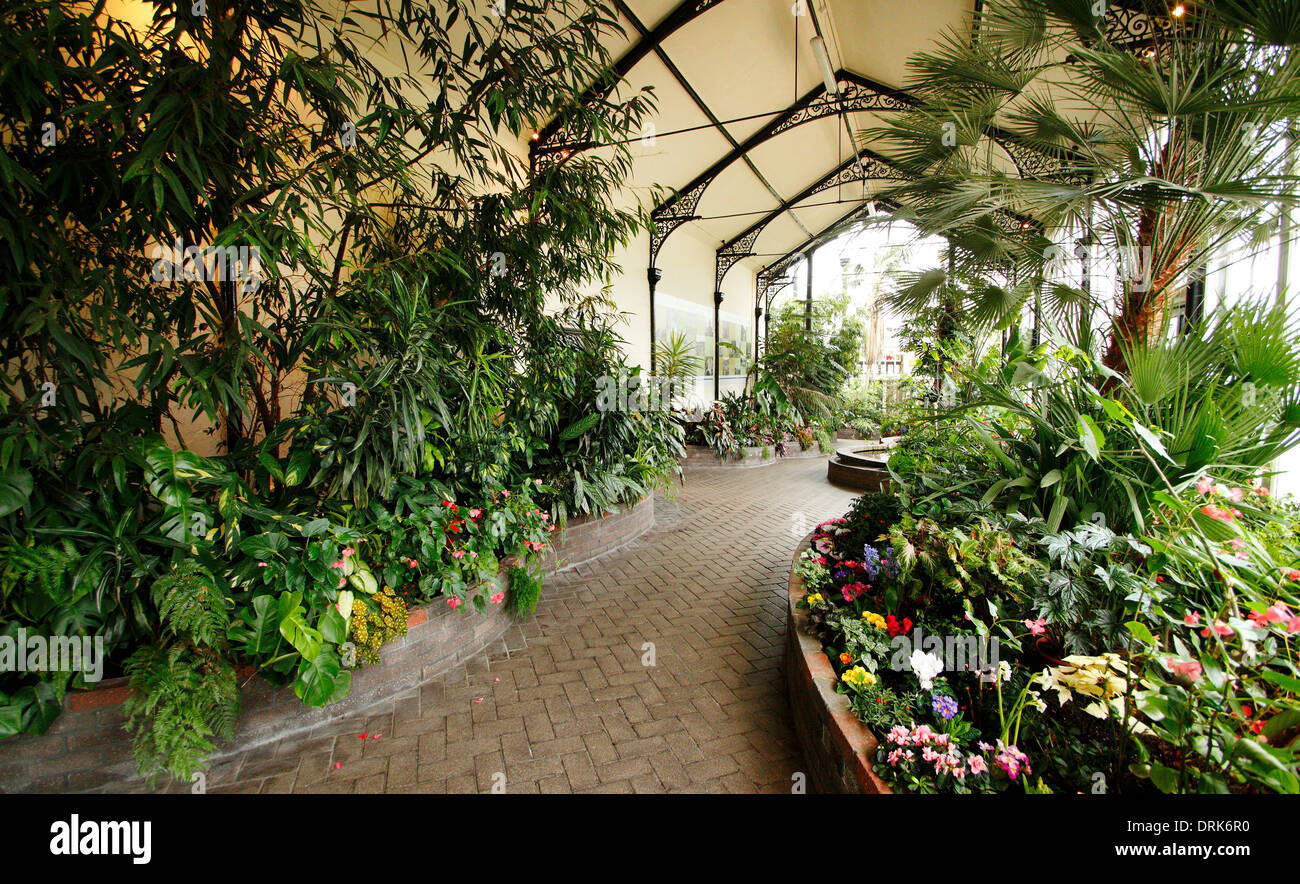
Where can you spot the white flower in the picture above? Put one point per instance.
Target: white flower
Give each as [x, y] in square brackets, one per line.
[926, 666]
[1004, 672]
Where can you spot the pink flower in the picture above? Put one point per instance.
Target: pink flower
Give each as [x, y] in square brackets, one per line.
[475, 513]
[1037, 627]
[458, 554]
[507, 493]
[347, 551]
[1293, 625]
[343, 581]
[1205, 485]
[1237, 543]
[1234, 494]
[1216, 512]
[453, 602]
[261, 564]
[498, 598]
[338, 564]
[978, 765]
[1191, 668]
[1193, 619]
[537, 481]
[1261, 491]
[412, 563]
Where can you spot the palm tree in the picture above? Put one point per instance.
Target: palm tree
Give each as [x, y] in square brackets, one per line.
[1127, 133]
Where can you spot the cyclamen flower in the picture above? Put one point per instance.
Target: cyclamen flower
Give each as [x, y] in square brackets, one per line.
[926, 666]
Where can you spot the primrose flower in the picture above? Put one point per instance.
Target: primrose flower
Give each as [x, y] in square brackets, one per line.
[875, 620]
[859, 678]
[945, 707]
[815, 599]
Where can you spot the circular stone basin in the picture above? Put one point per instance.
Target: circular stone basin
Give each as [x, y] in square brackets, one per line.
[861, 467]
[873, 457]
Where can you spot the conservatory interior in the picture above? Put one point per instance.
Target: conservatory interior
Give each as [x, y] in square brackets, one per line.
[649, 396]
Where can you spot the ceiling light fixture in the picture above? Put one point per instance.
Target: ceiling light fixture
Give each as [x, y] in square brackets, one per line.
[1178, 11]
[824, 62]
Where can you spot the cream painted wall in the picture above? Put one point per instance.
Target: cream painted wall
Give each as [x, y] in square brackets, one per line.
[687, 261]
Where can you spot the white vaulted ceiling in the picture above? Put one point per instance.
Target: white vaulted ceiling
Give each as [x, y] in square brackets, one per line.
[735, 66]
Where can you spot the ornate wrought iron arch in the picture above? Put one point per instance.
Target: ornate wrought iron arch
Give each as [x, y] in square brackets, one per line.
[863, 167]
[856, 92]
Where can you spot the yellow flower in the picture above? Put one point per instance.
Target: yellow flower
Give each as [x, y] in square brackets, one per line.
[874, 619]
[815, 599]
[858, 677]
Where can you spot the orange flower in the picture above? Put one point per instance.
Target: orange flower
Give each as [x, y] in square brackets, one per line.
[846, 658]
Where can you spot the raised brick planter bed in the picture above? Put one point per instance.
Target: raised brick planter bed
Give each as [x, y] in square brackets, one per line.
[702, 457]
[837, 748]
[585, 539]
[86, 747]
[794, 452]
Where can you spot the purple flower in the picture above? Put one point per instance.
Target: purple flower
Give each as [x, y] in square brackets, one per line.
[945, 707]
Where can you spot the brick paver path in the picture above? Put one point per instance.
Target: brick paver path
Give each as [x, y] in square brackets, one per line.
[565, 702]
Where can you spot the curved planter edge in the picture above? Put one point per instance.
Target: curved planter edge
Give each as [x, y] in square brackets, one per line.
[837, 747]
[86, 748]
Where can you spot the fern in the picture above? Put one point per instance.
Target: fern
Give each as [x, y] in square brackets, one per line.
[190, 604]
[183, 688]
[525, 590]
[42, 567]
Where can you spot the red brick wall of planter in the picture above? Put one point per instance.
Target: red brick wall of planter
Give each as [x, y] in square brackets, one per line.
[86, 747]
[837, 748]
[585, 539]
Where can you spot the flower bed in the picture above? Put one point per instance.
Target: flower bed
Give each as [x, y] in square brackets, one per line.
[837, 748]
[87, 748]
[935, 639]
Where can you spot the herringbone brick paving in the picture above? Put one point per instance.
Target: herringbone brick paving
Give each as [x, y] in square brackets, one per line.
[566, 704]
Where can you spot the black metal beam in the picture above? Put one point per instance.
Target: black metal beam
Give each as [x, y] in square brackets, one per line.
[565, 132]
